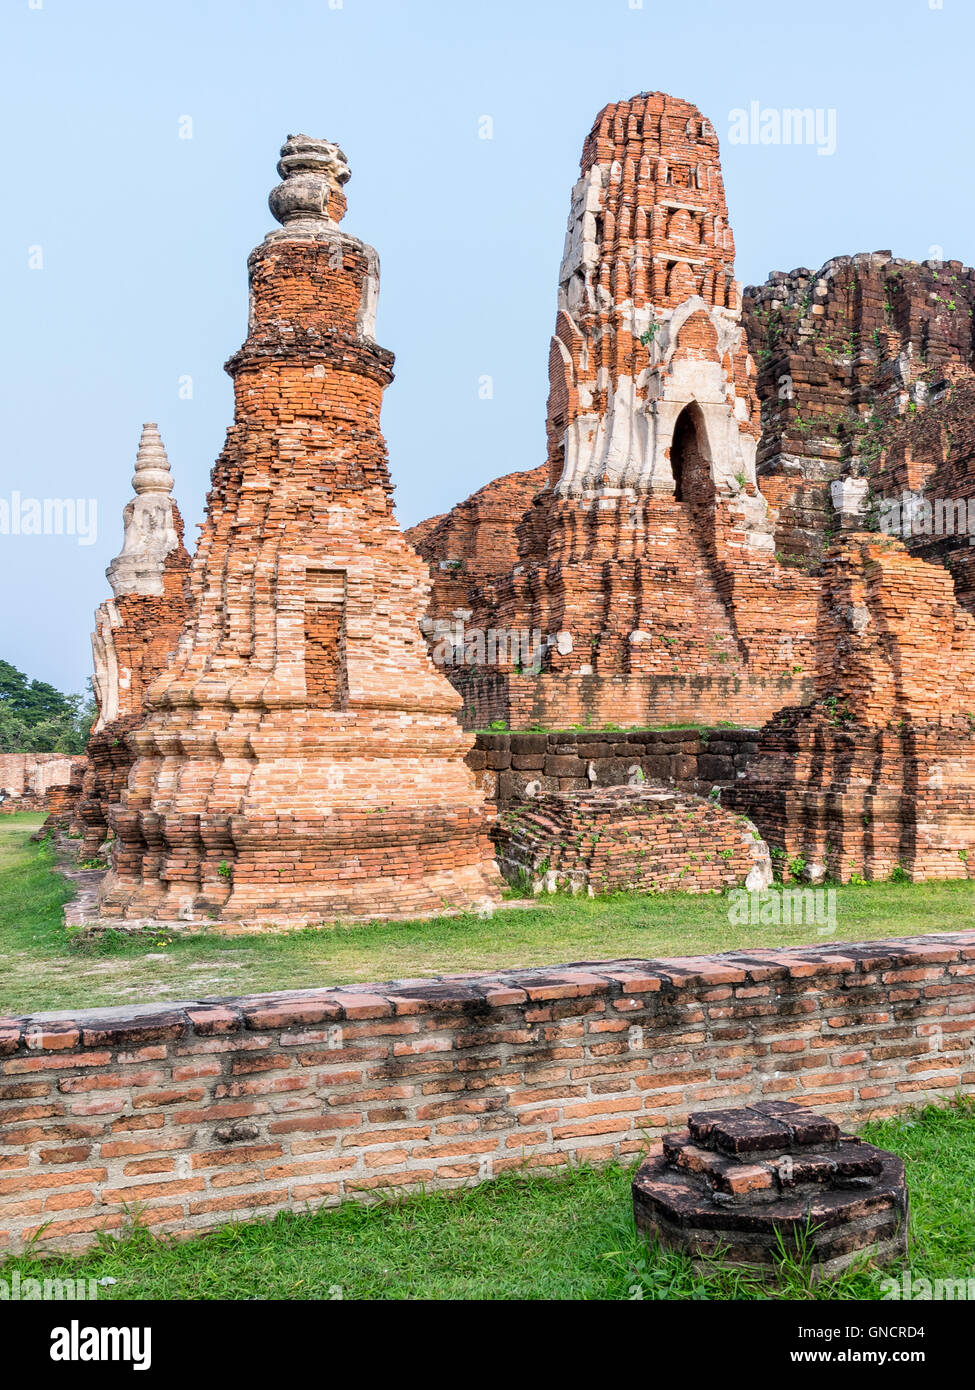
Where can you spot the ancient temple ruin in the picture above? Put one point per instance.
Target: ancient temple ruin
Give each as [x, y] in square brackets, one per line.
[300, 757]
[136, 631]
[867, 379]
[701, 544]
[646, 560]
[877, 777]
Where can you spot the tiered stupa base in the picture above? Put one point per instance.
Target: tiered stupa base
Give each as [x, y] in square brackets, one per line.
[746, 1186]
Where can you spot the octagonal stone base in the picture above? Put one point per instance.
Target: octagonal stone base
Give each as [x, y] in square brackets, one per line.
[742, 1186]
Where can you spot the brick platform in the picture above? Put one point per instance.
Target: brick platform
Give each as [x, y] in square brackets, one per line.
[206, 1111]
[747, 1186]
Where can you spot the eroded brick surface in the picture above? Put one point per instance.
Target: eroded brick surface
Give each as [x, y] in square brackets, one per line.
[865, 375]
[879, 774]
[643, 839]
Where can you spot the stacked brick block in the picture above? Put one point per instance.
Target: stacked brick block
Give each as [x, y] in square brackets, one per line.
[747, 1186]
[200, 1113]
[634, 839]
[300, 759]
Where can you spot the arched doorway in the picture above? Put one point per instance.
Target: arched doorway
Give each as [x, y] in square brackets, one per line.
[688, 461]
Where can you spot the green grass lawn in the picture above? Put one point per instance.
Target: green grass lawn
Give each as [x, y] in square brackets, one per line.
[567, 1237]
[41, 970]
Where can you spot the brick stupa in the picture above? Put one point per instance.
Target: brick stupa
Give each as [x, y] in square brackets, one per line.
[136, 631]
[646, 561]
[300, 759]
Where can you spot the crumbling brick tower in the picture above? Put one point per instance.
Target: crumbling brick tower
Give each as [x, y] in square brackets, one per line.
[647, 563]
[301, 759]
[136, 631]
[878, 776]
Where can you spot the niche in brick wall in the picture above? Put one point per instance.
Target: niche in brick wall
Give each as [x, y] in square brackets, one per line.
[326, 673]
[688, 458]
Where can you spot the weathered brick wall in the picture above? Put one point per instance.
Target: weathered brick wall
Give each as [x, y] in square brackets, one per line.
[539, 701]
[840, 351]
[203, 1112]
[879, 775]
[27, 779]
[507, 765]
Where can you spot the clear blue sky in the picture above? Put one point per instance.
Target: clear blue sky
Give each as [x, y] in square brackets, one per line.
[144, 235]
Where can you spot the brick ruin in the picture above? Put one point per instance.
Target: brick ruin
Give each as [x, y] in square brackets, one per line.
[300, 757]
[751, 1185]
[669, 562]
[29, 781]
[632, 839]
[878, 776]
[866, 383]
[136, 631]
[470, 547]
[645, 561]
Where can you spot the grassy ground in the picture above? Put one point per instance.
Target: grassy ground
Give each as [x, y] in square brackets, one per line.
[568, 1237]
[40, 970]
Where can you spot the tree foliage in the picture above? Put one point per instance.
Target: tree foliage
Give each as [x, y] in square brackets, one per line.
[37, 718]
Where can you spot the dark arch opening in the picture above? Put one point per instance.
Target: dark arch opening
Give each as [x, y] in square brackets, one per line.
[688, 459]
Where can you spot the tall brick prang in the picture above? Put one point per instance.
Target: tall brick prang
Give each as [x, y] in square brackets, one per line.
[136, 631]
[646, 562]
[300, 758]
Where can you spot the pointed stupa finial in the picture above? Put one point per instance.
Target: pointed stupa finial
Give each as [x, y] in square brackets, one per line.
[152, 471]
[150, 525]
[310, 195]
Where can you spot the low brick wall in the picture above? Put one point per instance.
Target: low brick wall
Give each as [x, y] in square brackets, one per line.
[536, 701]
[197, 1113]
[505, 764]
[28, 779]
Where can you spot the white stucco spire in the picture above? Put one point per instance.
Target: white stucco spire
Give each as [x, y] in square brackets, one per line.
[150, 529]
